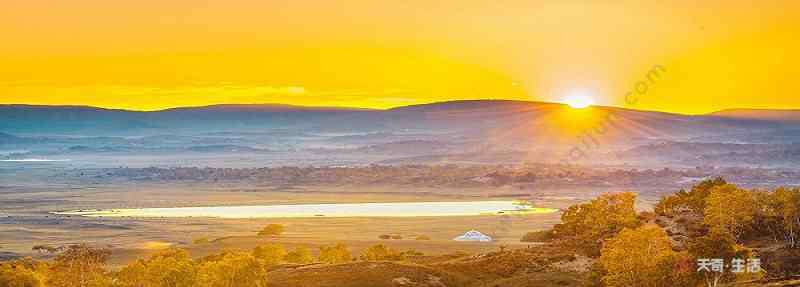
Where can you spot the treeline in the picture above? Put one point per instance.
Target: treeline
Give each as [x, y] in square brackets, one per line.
[83, 266]
[713, 220]
[744, 214]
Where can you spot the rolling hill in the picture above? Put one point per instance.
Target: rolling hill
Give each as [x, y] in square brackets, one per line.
[470, 128]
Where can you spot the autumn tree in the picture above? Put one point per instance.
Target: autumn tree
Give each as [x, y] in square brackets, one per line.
[80, 266]
[231, 269]
[768, 219]
[300, 255]
[172, 267]
[787, 205]
[692, 201]
[638, 257]
[587, 225]
[338, 253]
[272, 230]
[683, 270]
[730, 208]
[270, 254]
[380, 252]
[717, 244]
[20, 273]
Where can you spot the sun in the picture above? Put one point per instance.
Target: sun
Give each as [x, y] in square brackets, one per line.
[578, 101]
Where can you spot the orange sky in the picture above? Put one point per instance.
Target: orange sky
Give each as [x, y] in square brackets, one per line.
[151, 54]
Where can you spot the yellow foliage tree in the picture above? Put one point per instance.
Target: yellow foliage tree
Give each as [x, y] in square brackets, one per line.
[587, 225]
[730, 208]
[172, 267]
[300, 255]
[338, 253]
[270, 254]
[787, 203]
[80, 266]
[381, 252]
[20, 274]
[717, 244]
[638, 257]
[232, 269]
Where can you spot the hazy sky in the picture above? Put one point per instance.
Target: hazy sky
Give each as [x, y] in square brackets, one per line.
[150, 54]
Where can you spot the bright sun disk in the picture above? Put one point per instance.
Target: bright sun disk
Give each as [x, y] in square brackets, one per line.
[578, 101]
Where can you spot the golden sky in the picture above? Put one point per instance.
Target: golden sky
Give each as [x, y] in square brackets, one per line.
[155, 54]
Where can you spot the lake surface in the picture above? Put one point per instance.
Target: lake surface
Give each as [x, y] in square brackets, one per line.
[392, 209]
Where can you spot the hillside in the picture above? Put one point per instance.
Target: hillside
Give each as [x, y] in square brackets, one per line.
[456, 131]
[773, 115]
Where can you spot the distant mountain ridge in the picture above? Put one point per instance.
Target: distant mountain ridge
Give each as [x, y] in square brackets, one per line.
[518, 122]
[780, 115]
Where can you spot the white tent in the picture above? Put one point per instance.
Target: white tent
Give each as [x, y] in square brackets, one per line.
[474, 235]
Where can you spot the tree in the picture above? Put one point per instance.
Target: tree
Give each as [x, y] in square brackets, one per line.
[717, 244]
[587, 225]
[300, 255]
[381, 252]
[778, 214]
[338, 253]
[270, 254]
[638, 257]
[171, 267]
[787, 203]
[684, 270]
[20, 274]
[693, 201]
[272, 230]
[730, 208]
[232, 269]
[80, 266]
[768, 219]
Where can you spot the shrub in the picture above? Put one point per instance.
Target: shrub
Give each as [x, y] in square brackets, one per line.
[272, 230]
[385, 236]
[538, 236]
[411, 252]
[422, 237]
[201, 240]
[382, 252]
[46, 249]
